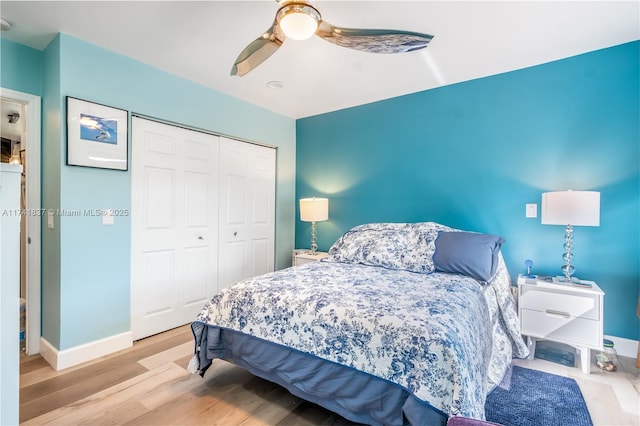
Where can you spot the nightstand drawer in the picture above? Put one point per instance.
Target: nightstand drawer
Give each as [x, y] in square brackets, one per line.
[579, 305]
[554, 326]
[302, 261]
[301, 257]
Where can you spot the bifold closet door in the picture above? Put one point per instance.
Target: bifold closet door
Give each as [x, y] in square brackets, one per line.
[247, 210]
[174, 235]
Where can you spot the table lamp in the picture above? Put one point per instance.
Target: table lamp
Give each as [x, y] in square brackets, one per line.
[570, 208]
[314, 210]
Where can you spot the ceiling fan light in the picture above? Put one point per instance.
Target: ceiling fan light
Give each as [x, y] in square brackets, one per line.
[298, 26]
[4, 24]
[298, 21]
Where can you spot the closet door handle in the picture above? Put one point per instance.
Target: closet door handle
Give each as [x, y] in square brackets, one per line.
[200, 237]
[235, 234]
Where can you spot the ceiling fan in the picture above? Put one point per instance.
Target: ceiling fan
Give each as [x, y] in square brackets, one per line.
[299, 20]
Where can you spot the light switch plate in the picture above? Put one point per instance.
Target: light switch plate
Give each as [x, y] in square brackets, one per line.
[532, 210]
[107, 217]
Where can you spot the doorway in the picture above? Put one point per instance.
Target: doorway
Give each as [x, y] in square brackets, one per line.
[21, 128]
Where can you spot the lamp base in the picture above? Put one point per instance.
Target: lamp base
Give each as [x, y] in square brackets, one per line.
[314, 239]
[563, 279]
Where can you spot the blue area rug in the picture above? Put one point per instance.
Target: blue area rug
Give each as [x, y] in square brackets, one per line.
[532, 398]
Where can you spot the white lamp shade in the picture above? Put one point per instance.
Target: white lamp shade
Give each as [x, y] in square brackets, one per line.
[314, 209]
[577, 208]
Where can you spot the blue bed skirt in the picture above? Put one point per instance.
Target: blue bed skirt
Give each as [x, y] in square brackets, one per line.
[354, 395]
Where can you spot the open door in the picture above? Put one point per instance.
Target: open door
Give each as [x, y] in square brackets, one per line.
[26, 127]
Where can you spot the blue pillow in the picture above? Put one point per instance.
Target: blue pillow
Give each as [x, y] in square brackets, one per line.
[468, 253]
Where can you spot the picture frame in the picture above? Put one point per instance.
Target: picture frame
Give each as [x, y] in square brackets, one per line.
[97, 135]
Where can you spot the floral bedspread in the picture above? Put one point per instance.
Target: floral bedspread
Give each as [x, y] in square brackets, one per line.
[446, 338]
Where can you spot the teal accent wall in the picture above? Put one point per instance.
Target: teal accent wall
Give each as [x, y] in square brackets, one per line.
[21, 68]
[471, 155]
[86, 266]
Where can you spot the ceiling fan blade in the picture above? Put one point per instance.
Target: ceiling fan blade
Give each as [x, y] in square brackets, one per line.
[374, 41]
[258, 51]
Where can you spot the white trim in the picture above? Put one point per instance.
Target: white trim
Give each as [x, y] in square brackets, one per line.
[623, 346]
[33, 146]
[66, 358]
[48, 352]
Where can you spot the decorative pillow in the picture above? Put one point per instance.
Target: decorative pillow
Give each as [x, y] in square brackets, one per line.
[405, 246]
[468, 253]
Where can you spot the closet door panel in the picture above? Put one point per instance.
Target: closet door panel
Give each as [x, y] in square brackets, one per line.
[261, 252]
[247, 210]
[158, 280]
[159, 198]
[196, 274]
[203, 214]
[174, 220]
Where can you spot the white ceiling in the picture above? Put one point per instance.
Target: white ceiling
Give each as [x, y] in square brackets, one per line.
[199, 40]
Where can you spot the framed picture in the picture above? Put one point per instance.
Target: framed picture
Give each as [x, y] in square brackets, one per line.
[97, 135]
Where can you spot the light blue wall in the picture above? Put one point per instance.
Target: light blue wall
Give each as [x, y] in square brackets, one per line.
[50, 187]
[90, 290]
[21, 67]
[471, 155]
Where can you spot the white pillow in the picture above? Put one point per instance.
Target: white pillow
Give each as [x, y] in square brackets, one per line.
[404, 246]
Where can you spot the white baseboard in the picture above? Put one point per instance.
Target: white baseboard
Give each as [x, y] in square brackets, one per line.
[83, 353]
[624, 347]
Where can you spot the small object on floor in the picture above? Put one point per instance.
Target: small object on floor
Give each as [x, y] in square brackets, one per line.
[608, 358]
[549, 351]
[605, 364]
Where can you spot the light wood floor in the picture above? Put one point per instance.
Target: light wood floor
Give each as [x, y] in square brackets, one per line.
[149, 385]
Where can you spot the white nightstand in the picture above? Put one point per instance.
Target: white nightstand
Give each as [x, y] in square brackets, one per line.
[561, 312]
[300, 257]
